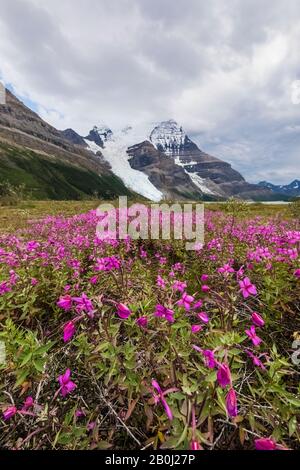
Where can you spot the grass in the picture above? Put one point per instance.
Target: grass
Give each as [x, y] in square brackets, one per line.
[16, 217]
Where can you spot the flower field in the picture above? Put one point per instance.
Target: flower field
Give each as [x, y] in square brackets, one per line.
[141, 344]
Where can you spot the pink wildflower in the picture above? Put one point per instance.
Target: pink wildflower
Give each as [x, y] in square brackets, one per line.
[65, 302]
[84, 304]
[257, 319]
[142, 322]
[160, 282]
[209, 358]
[9, 413]
[198, 304]
[66, 385]
[265, 443]
[164, 312]
[179, 286]
[231, 403]
[186, 301]
[203, 317]
[94, 280]
[226, 270]
[196, 328]
[123, 311]
[69, 330]
[205, 288]
[161, 398]
[256, 361]
[195, 445]
[253, 336]
[224, 375]
[247, 288]
[28, 403]
[204, 277]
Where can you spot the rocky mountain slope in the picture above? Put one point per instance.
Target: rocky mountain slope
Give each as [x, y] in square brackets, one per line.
[51, 163]
[283, 191]
[212, 175]
[173, 163]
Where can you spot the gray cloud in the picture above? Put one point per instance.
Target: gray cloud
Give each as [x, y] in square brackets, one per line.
[223, 69]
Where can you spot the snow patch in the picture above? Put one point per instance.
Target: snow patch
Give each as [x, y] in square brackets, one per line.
[115, 153]
[200, 183]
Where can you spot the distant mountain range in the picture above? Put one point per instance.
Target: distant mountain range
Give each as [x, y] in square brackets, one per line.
[284, 191]
[158, 161]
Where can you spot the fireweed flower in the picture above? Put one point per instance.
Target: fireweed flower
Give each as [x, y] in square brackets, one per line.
[257, 319]
[160, 282]
[195, 445]
[66, 384]
[65, 302]
[253, 336]
[9, 413]
[297, 273]
[209, 358]
[198, 304]
[28, 403]
[196, 328]
[224, 375]
[205, 288]
[123, 311]
[142, 322]
[265, 443]
[161, 397]
[4, 288]
[231, 403]
[256, 361]
[186, 301]
[79, 413]
[84, 304]
[69, 330]
[226, 270]
[179, 286]
[164, 312]
[247, 288]
[94, 280]
[108, 263]
[203, 317]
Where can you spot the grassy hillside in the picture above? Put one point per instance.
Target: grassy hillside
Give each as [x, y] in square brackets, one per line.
[46, 178]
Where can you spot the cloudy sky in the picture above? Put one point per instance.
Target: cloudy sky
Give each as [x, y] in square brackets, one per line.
[224, 69]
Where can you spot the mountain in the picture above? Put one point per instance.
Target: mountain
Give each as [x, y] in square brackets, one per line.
[73, 137]
[51, 163]
[284, 191]
[156, 161]
[174, 165]
[99, 135]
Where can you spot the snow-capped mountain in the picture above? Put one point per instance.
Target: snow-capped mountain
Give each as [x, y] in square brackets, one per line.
[288, 190]
[168, 137]
[100, 135]
[113, 147]
[161, 161]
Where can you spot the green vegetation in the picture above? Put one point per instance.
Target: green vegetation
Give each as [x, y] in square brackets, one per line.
[45, 178]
